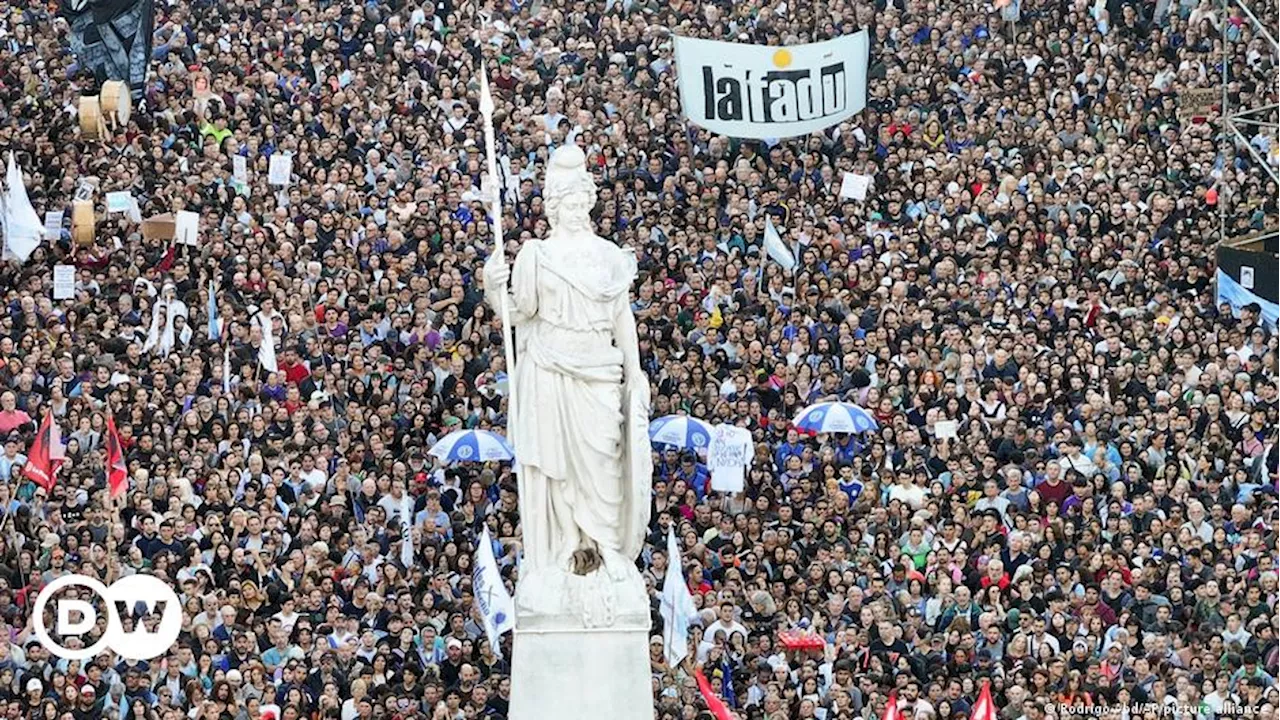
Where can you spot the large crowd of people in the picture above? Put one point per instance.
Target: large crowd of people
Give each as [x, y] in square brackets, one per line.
[1072, 493]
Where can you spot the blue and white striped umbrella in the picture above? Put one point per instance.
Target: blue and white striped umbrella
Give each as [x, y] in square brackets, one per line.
[835, 417]
[682, 431]
[472, 446]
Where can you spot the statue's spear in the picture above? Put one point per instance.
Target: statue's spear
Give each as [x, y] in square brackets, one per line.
[491, 149]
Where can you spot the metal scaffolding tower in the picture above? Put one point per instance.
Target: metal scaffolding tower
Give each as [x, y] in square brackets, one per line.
[1240, 124]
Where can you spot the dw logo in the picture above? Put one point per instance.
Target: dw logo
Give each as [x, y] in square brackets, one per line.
[77, 616]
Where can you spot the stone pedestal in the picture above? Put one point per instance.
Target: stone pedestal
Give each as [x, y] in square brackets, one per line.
[582, 646]
[584, 674]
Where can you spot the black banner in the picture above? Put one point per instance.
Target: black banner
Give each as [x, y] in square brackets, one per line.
[112, 39]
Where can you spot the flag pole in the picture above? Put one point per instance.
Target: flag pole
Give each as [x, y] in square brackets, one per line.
[491, 149]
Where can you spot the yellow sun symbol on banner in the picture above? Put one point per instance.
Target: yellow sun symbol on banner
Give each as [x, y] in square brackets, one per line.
[782, 58]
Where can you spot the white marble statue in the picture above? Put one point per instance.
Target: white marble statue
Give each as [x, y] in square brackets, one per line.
[579, 423]
[580, 418]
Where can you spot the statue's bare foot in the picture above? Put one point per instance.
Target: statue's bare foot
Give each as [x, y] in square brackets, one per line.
[586, 560]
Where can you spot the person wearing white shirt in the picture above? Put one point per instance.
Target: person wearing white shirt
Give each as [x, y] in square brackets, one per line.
[1221, 695]
[1073, 459]
[725, 623]
[908, 492]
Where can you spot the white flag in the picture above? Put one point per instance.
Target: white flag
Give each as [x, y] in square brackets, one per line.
[22, 226]
[57, 447]
[776, 248]
[497, 609]
[677, 605]
[267, 351]
[406, 531]
[226, 369]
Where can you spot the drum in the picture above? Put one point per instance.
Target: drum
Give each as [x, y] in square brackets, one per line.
[116, 101]
[91, 125]
[82, 222]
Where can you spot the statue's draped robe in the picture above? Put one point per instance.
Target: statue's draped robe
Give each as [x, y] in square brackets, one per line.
[572, 415]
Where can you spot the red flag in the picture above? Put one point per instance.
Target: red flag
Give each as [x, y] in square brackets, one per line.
[41, 467]
[714, 703]
[166, 261]
[891, 710]
[117, 471]
[984, 709]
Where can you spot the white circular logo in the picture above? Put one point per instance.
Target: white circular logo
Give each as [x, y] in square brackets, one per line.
[464, 452]
[126, 595]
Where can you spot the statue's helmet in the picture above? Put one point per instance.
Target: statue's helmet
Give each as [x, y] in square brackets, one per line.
[566, 174]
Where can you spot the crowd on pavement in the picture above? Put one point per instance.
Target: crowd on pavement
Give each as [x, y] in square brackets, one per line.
[1072, 493]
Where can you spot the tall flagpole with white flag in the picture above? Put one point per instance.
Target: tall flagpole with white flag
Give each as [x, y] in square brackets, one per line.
[495, 210]
[496, 608]
[678, 610]
[406, 531]
[226, 369]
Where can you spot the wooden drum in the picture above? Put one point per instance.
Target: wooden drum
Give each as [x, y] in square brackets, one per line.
[82, 222]
[91, 125]
[116, 101]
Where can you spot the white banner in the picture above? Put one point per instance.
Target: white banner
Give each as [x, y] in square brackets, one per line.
[492, 601]
[757, 91]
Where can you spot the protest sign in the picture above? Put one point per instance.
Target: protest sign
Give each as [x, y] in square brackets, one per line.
[186, 227]
[53, 223]
[854, 186]
[239, 169]
[119, 201]
[728, 457]
[64, 282]
[280, 170]
[1198, 102]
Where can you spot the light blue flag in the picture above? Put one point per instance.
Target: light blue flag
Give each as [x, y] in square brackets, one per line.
[776, 247]
[215, 324]
[678, 610]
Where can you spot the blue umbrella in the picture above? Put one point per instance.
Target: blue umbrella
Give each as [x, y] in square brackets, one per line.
[835, 417]
[680, 430]
[472, 446]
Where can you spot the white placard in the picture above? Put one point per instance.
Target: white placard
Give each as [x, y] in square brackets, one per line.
[1246, 277]
[186, 227]
[64, 282]
[119, 201]
[854, 186]
[728, 456]
[280, 170]
[53, 223]
[239, 169]
[758, 91]
[946, 429]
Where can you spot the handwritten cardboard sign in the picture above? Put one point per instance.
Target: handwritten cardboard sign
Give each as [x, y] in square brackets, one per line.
[1198, 102]
[64, 282]
[280, 169]
[728, 457]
